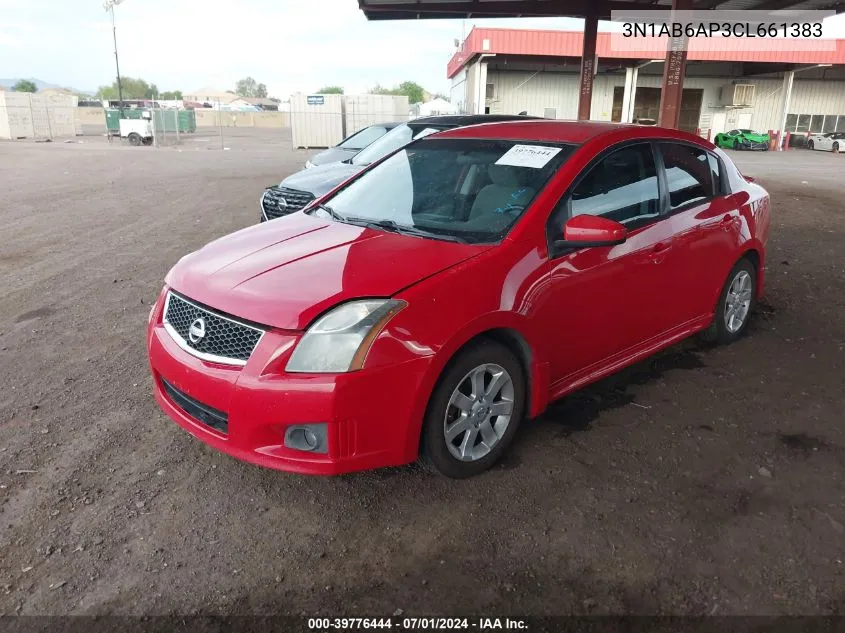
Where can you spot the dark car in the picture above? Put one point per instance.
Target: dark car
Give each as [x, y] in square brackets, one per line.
[351, 145]
[298, 189]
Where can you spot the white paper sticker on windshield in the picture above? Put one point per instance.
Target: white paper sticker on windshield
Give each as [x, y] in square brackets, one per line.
[535, 156]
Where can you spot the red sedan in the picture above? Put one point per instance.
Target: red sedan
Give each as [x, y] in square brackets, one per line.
[430, 305]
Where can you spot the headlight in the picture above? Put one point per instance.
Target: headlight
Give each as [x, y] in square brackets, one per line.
[308, 164]
[338, 341]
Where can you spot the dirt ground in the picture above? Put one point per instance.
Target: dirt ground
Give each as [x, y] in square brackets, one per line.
[705, 481]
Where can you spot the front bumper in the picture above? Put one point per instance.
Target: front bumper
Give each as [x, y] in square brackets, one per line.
[753, 145]
[370, 414]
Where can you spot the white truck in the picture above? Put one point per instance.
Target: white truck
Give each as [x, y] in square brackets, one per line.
[138, 131]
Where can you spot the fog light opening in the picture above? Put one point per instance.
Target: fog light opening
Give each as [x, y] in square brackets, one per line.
[307, 437]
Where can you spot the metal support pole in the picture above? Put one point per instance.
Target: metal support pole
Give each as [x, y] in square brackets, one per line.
[588, 67]
[673, 74]
[626, 96]
[117, 65]
[47, 115]
[32, 118]
[786, 95]
[220, 126]
[634, 76]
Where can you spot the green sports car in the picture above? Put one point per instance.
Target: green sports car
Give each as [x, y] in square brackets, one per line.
[742, 139]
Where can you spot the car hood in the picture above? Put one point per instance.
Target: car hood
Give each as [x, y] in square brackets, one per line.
[286, 272]
[321, 179]
[332, 155]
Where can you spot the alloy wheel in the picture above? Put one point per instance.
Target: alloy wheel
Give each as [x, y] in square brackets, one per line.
[738, 301]
[479, 412]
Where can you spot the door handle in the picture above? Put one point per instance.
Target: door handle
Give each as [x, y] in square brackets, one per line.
[659, 252]
[727, 223]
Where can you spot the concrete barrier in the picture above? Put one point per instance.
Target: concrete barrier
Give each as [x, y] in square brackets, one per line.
[91, 116]
[212, 118]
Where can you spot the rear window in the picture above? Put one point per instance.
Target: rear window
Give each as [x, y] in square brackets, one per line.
[688, 174]
[365, 137]
[398, 137]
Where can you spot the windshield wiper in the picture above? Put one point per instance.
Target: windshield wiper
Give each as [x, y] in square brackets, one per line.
[404, 229]
[334, 214]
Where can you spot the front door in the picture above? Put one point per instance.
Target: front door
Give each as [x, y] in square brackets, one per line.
[605, 300]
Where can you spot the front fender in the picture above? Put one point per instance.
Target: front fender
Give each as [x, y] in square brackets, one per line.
[502, 289]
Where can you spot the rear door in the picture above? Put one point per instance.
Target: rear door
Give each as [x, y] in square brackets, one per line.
[604, 300]
[705, 222]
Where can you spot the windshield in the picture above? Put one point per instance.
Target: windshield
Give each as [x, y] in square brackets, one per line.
[364, 137]
[466, 190]
[398, 137]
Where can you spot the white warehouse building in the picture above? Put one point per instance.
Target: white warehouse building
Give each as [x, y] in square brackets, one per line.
[509, 71]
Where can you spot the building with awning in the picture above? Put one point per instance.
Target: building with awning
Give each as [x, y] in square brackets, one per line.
[673, 60]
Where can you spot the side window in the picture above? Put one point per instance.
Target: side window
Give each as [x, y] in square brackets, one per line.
[716, 175]
[688, 174]
[622, 187]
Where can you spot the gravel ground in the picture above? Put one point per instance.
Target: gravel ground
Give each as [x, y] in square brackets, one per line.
[703, 481]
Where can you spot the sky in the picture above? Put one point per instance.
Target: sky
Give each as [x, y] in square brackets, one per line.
[289, 45]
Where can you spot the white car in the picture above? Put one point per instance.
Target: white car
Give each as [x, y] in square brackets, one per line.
[829, 142]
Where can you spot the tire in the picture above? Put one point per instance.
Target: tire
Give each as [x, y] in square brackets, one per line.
[835, 148]
[483, 436]
[723, 330]
[135, 139]
[810, 145]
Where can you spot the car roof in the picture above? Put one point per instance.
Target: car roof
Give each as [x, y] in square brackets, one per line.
[566, 131]
[471, 119]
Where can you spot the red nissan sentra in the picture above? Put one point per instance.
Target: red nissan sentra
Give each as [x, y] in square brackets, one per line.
[434, 302]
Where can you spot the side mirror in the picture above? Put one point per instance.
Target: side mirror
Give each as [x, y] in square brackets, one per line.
[584, 231]
[147, 115]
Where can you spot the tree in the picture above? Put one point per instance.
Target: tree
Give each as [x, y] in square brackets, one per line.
[248, 87]
[171, 95]
[132, 89]
[25, 85]
[330, 90]
[440, 95]
[410, 89]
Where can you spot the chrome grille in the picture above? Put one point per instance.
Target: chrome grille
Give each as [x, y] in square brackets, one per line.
[223, 340]
[279, 201]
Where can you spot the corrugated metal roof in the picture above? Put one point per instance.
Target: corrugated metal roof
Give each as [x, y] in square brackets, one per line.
[570, 43]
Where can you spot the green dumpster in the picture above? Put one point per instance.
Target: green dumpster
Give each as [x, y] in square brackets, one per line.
[165, 120]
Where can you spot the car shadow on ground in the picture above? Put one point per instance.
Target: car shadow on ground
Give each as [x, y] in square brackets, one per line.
[577, 412]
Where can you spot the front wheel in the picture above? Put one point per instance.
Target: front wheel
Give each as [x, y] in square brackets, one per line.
[135, 139]
[735, 305]
[474, 411]
[811, 145]
[835, 148]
